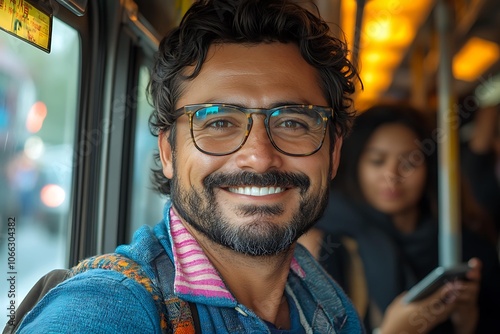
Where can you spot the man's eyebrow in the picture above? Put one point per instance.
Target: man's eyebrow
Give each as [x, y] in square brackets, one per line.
[271, 106]
[285, 103]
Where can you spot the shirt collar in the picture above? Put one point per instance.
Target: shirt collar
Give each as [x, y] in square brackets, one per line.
[195, 276]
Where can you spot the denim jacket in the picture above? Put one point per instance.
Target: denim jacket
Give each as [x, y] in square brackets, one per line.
[80, 303]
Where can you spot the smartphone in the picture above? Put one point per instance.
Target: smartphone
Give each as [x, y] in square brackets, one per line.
[436, 279]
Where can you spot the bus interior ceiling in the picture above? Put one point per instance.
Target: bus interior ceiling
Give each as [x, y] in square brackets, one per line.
[395, 44]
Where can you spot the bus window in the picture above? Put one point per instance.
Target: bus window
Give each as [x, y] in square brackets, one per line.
[38, 109]
[146, 204]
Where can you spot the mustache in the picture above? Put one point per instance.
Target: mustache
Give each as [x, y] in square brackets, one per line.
[269, 179]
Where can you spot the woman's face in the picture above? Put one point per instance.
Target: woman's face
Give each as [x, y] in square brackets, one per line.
[392, 170]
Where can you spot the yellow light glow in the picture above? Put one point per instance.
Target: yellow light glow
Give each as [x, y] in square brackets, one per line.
[412, 10]
[391, 30]
[348, 18]
[388, 28]
[378, 30]
[394, 21]
[475, 57]
[378, 58]
[375, 81]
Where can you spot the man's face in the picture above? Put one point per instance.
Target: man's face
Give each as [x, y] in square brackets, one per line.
[257, 200]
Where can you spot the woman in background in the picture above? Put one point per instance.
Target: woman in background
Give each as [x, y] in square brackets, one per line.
[379, 237]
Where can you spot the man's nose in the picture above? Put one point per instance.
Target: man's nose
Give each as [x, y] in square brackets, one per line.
[258, 153]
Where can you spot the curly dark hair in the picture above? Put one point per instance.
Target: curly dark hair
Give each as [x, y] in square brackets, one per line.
[247, 22]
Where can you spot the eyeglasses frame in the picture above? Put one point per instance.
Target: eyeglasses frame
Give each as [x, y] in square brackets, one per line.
[326, 113]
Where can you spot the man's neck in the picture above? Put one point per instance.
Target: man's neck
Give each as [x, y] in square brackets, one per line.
[256, 282]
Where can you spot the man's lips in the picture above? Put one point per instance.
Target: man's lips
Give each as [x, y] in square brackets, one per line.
[258, 185]
[256, 191]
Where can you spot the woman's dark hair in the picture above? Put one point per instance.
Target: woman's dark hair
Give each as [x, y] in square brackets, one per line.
[210, 22]
[347, 179]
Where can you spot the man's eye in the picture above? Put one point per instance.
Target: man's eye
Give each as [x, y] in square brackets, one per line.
[293, 124]
[220, 123]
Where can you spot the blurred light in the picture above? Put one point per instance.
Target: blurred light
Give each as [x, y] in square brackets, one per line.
[379, 58]
[348, 18]
[34, 147]
[388, 28]
[488, 92]
[393, 30]
[475, 57]
[375, 81]
[36, 116]
[52, 195]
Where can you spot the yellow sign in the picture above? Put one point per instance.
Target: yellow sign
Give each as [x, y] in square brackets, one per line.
[22, 19]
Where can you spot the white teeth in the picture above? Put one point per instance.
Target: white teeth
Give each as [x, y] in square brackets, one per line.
[256, 191]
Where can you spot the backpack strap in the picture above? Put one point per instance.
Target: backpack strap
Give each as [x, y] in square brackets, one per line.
[175, 314]
[182, 315]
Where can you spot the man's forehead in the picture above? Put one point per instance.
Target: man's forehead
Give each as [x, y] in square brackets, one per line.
[267, 70]
[226, 57]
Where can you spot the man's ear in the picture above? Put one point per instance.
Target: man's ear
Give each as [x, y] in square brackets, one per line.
[336, 155]
[165, 150]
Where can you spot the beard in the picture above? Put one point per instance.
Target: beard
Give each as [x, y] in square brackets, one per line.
[263, 235]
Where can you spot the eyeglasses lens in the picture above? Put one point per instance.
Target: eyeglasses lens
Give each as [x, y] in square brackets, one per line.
[223, 129]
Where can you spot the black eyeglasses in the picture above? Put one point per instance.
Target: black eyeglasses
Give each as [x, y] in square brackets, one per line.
[222, 129]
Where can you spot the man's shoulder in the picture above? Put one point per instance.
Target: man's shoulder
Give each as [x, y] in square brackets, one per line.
[128, 273]
[115, 263]
[82, 302]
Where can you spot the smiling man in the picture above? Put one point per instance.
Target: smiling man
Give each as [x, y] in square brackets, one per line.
[251, 104]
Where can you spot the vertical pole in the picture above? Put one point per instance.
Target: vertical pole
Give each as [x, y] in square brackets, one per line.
[448, 148]
[360, 7]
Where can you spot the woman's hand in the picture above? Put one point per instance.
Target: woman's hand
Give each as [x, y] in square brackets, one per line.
[456, 300]
[466, 313]
[416, 317]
